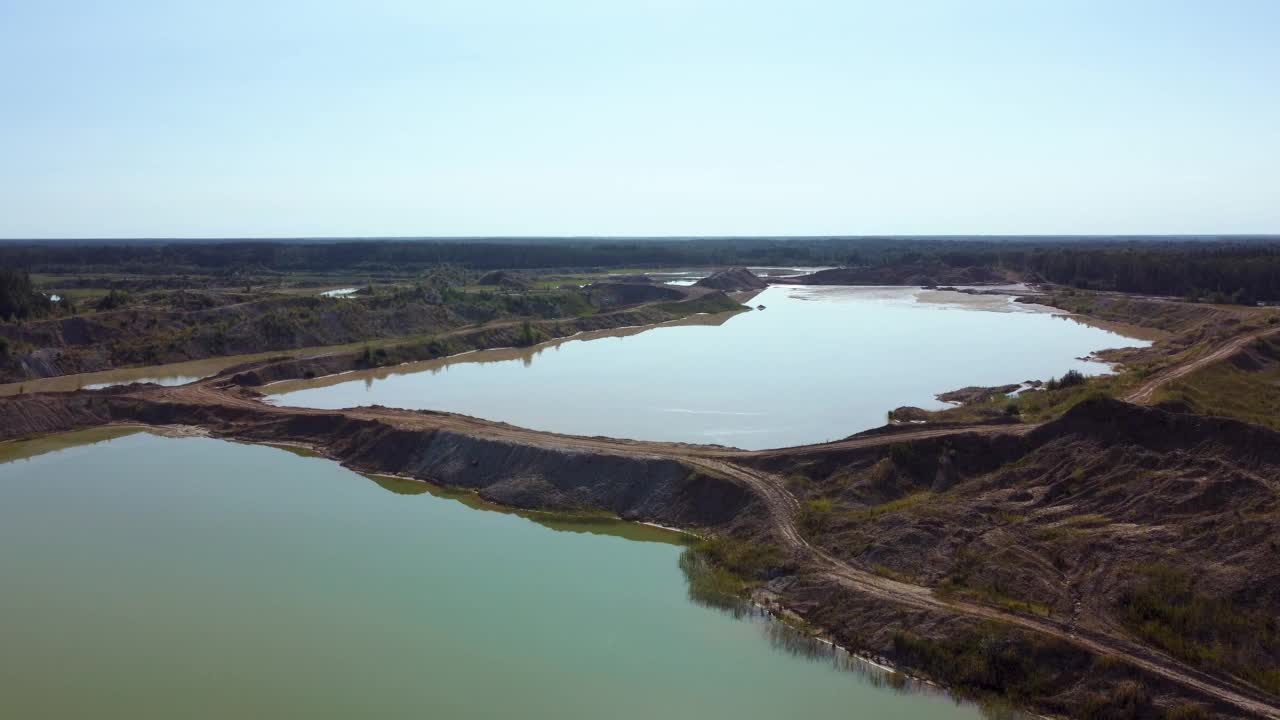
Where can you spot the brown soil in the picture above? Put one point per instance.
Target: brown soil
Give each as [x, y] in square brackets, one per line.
[1175, 326]
[617, 294]
[176, 332]
[733, 280]
[918, 275]
[937, 532]
[505, 279]
[976, 394]
[1145, 393]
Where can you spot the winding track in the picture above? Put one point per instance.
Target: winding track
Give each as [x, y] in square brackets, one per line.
[784, 507]
[1145, 394]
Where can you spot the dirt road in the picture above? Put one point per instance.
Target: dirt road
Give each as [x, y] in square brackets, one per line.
[784, 510]
[232, 411]
[1145, 394]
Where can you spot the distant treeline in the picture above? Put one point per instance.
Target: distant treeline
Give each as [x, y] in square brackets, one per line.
[1235, 274]
[1236, 269]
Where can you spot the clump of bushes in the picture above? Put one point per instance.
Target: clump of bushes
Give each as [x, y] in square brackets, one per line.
[721, 570]
[113, 300]
[373, 357]
[815, 518]
[987, 660]
[19, 299]
[1071, 378]
[1126, 701]
[529, 335]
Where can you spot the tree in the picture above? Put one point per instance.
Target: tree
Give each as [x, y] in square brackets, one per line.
[18, 299]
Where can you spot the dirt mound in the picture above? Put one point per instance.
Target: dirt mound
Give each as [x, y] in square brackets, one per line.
[733, 280]
[619, 294]
[1261, 354]
[975, 393]
[1117, 556]
[1114, 516]
[54, 412]
[531, 476]
[908, 414]
[504, 279]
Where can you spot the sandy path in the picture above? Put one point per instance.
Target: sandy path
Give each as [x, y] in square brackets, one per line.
[1145, 393]
[784, 508]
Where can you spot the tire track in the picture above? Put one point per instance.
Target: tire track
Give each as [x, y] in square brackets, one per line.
[1145, 393]
[784, 508]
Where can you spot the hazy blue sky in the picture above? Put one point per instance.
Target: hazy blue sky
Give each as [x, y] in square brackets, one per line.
[677, 117]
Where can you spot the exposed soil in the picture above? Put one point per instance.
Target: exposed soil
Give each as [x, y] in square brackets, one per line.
[177, 332]
[1145, 393]
[505, 279]
[975, 393]
[1030, 541]
[733, 280]
[616, 294]
[918, 275]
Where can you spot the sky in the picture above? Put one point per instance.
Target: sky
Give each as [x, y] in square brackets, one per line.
[672, 117]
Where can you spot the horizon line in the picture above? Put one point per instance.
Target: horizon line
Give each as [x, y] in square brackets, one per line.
[439, 238]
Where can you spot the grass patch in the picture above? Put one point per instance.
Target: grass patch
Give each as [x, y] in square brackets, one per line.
[885, 571]
[961, 583]
[1088, 520]
[985, 661]
[1228, 390]
[1035, 406]
[903, 503]
[989, 595]
[816, 515]
[722, 570]
[1165, 610]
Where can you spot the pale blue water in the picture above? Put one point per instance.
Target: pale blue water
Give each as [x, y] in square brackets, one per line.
[818, 364]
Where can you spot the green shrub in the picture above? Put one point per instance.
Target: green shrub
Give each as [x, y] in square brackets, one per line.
[985, 660]
[815, 518]
[529, 335]
[721, 570]
[1165, 610]
[1071, 378]
[905, 502]
[113, 300]
[19, 299]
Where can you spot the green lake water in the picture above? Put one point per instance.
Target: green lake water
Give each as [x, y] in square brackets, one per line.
[154, 577]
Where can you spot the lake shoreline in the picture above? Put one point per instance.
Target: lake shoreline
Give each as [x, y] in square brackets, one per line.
[488, 457]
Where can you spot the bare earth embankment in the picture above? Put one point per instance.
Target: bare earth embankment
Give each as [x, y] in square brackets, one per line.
[1117, 561]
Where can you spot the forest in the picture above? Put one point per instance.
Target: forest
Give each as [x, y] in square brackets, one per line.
[19, 300]
[1237, 269]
